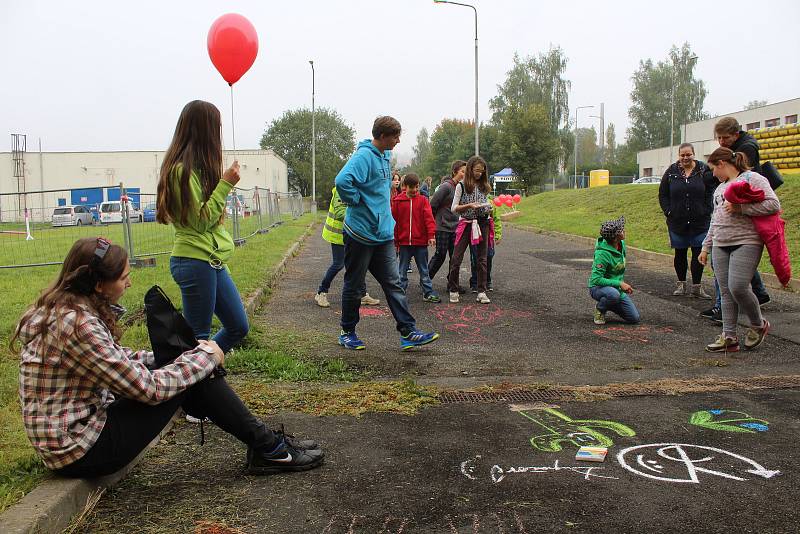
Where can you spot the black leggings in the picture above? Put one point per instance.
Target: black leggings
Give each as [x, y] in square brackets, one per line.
[680, 263]
[132, 425]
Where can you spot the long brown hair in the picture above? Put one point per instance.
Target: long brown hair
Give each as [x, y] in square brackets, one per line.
[195, 147]
[737, 159]
[482, 181]
[81, 271]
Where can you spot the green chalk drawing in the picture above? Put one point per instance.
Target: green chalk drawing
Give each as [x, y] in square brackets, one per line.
[728, 421]
[560, 428]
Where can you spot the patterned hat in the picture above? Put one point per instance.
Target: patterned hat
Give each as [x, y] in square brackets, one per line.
[611, 229]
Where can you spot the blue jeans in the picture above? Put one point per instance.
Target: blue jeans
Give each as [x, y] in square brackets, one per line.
[420, 255]
[473, 265]
[205, 292]
[757, 284]
[381, 261]
[337, 264]
[609, 299]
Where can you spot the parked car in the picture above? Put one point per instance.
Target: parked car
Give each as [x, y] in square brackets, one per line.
[149, 212]
[644, 180]
[111, 212]
[71, 216]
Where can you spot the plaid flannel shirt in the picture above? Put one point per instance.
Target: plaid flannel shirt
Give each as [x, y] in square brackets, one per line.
[67, 384]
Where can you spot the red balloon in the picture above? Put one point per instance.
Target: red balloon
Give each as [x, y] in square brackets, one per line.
[498, 202]
[232, 46]
[517, 199]
[509, 202]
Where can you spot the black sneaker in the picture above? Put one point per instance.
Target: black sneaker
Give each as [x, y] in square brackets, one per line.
[461, 291]
[763, 298]
[473, 289]
[283, 458]
[304, 444]
[715, 314]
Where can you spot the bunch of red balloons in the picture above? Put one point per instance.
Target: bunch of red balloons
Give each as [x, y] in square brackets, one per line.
[508, 200]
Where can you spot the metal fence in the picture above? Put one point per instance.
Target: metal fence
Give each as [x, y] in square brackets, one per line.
[37, 228]
[581, 181]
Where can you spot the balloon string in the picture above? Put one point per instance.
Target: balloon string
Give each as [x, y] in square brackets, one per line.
[233, 125]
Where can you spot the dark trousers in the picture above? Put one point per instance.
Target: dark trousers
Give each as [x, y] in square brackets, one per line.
[131, 425]
[380, 260]
[420, 255]
[473, 265]
[458, 256]
[445, 242]
[337, 264]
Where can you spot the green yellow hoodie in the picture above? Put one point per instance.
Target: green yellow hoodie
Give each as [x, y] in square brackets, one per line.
[203, 236]
[608, 267]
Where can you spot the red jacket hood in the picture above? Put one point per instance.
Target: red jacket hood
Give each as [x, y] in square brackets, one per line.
[414, 222]
[743, 193]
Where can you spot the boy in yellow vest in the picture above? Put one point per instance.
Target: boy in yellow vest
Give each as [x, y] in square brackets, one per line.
[332, 233]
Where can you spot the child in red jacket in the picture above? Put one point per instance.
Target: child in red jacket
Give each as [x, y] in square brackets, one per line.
[414, 232]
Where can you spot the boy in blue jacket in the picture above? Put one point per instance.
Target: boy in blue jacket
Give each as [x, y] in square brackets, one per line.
[364, 184]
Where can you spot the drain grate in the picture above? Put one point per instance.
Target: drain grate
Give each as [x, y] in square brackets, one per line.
[664, 387]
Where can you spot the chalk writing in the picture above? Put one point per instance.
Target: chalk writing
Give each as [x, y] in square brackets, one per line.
[468, 467]
[499, 473]
[560, 428]
[501, 521]
[675, 462]
[640, 334]
[729, 421]
[468, 320]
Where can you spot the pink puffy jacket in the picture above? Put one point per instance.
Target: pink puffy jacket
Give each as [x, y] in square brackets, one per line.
[769, 227]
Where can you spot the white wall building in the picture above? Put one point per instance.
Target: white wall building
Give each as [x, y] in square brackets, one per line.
[701, 134]
[60, 173]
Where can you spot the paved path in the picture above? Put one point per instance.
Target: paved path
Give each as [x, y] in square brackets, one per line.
[709, 462]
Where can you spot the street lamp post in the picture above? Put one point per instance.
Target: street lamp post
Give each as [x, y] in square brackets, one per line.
[575, 153]
[477, 124]
[313, 145]
[672, 105]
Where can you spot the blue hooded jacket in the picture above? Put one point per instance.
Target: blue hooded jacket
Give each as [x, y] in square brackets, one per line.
[364, 184]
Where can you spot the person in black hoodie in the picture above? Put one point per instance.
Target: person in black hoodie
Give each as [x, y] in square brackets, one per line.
[687, 203]
[729, 134]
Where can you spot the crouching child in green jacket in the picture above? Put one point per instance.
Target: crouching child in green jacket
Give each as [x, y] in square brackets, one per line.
[606, 284]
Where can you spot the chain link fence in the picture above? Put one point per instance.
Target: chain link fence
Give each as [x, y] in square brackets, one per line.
[580, 181]
[37, 228]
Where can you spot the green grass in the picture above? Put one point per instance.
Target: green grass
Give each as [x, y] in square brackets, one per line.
[251, 264]
[581, 211]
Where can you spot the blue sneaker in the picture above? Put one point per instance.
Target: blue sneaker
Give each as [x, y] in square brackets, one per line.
[415, 338]
[349, 340]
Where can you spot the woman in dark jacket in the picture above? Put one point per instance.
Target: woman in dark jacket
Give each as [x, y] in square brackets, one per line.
[687, 204]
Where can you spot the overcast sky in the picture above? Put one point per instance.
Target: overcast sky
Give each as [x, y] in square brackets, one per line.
[113, 75]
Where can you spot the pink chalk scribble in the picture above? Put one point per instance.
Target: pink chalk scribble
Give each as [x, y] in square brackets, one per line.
[468, 320]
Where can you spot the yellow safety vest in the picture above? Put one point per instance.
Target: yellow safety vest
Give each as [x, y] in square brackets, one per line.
[332, 231]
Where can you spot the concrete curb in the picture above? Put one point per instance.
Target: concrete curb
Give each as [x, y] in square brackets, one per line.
[52, 505]
[770, 280]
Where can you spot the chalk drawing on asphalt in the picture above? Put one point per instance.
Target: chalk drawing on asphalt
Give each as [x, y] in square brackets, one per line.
[728, 421]
[468, 321]
[499, 473]
[559, 429]
[639, 334]
[677, 462]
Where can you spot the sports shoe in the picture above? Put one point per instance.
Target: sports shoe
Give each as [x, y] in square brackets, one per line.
[680, 289]
[699, 292]
[473, 289]
[415, 338]
[433, 297]
[349, 340]
[755, 336]
[489, 287]
[283, 457]
[715, 314]
[196, 420]
[482, 298]
[599, 317]
[723, 343]
[461, 291]
[322, 300]
[454, 297]
[304, 444]
[763, 298]
[366, 300]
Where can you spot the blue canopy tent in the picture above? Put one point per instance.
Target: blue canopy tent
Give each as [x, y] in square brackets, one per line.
[507, 175]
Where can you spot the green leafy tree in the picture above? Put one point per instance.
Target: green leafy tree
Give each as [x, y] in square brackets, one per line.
[650, 108]
[421, 150]
[611, 145]
[449, 141]
[527, 142]
[753, 104]
[290, 137]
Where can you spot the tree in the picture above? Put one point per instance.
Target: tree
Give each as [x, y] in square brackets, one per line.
[527, 142]
[450, 141]
[755, 104]
[421, 151]
[290, 138]
[611, 146]
[652, 87]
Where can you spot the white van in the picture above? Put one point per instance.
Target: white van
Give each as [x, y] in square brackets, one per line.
[71, 216]
[111, 212]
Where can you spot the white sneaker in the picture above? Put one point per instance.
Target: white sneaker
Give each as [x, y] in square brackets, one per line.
[454, 297]
[369, 301]
[322, 300]
[195, 420]
[482, 298]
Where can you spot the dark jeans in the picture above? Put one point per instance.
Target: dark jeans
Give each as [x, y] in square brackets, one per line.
[445, 242]
[337, 264]
[473, 265]
[205, 292]
[381, 261]
[420, 255]
[131, 425]
[458, 257]
[609, 299]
